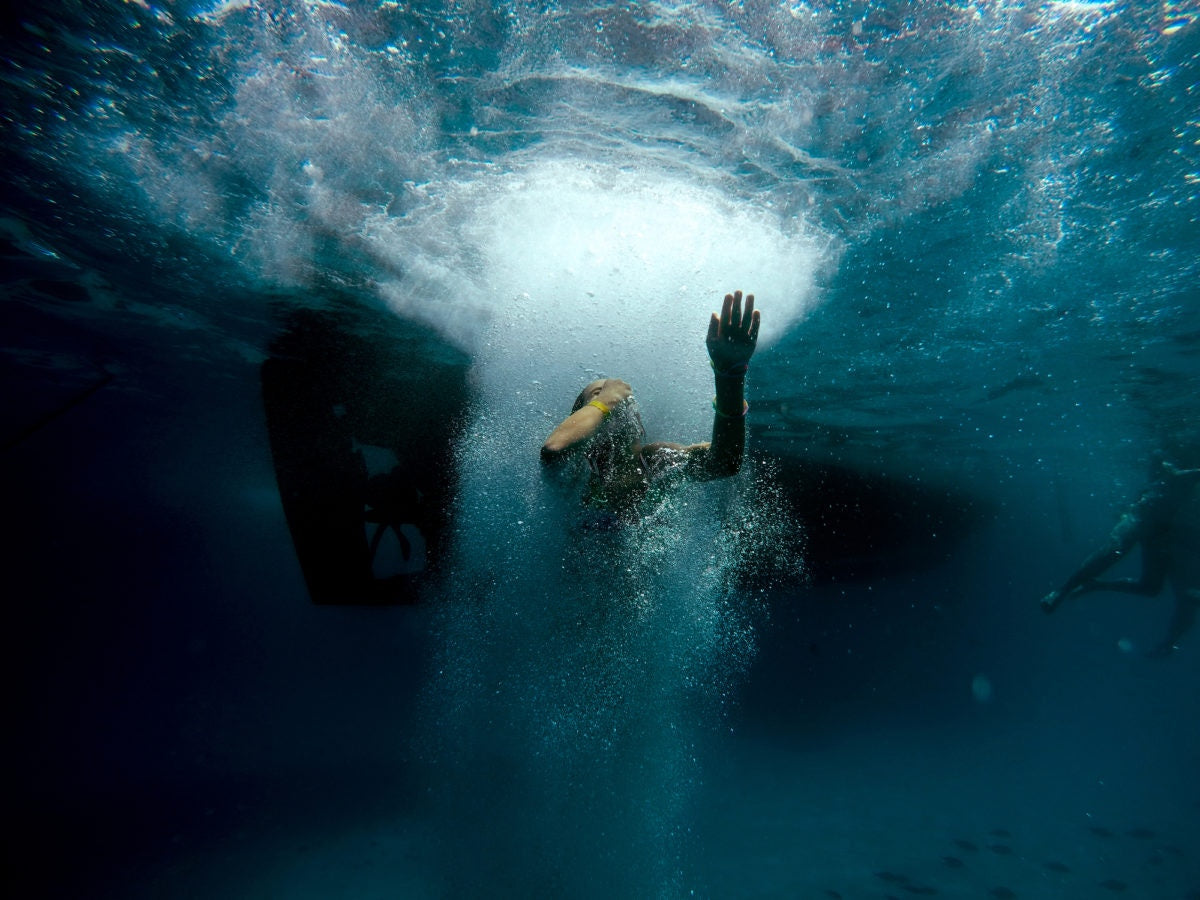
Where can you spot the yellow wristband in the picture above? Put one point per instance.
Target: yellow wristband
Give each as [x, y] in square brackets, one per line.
[600, 406]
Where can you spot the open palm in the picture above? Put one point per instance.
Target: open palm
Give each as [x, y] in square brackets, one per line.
[733, 335]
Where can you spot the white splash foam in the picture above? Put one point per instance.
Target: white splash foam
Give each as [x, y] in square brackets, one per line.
[562, 256]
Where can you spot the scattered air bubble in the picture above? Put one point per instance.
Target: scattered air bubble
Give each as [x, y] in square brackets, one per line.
[981, 689]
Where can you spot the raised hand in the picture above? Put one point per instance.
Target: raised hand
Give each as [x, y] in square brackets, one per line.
[733, 334]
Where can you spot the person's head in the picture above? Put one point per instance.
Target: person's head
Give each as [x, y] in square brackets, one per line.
[621, 431]
[590, 392]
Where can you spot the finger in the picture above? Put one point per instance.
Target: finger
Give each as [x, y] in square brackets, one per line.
[726, 310]
[735, 316]
[748, 312]
[754, 326]
[714, 328]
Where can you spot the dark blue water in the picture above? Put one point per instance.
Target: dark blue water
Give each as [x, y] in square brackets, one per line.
[227, 228]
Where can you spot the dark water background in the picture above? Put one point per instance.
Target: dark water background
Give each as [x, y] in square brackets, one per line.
[973, 230]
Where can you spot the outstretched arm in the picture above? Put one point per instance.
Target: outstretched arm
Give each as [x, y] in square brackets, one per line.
[732, 338]
[578, 428]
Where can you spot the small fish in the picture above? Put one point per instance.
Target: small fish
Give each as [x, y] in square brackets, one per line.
[922, 890]
[1002, 893]
[833, 895]
[893, 877]
[1002, 849]
[1055, 866]
[1001, 832]
[1100, 831]
[965, 845]
[1114, 884]
[1142, 834]
[953, 862]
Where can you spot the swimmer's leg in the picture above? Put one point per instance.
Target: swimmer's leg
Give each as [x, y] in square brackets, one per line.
[1055, 598]
[1156, 560]
[1083, 579]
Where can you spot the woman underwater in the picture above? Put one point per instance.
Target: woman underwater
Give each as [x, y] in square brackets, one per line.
[606, 427]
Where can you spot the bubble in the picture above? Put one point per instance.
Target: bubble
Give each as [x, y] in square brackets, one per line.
[981, 689]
